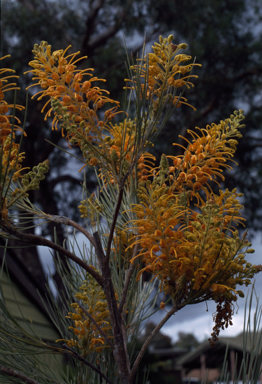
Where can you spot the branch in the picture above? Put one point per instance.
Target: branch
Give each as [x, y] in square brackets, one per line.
[128, 278]
[100, 251]
[254, 146]
[125, 344]
[90, 21]
[133, 52]
[205, 111]
[119, 350]
[208, 108]
[80, 358]
[66, 221]
[64, 178]
[256, 70]
[111, 31]
[119, 201]
[39, 240]
[253, 138]
[95, 9]
[96, 324]
[150, 337]
[18, 375]
[117, 209]
[27, 4]
[103, 37]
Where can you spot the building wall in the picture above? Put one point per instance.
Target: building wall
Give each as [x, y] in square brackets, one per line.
[29, 316]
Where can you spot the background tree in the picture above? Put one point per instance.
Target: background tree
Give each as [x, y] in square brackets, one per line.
[160, 341]
[225, 36]
[186, 340]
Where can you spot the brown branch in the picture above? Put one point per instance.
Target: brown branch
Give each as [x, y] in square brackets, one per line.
[27, 4]
[96, 324]
[39, 240]
[80, 358]
[66, 221]
[254, 146]
[128, 278]
[205, 111]
[253, 138]
[133, 53]
[125, 345]
[93, 11]
[18, 375]
[91, 20]
[119, 202]
[208, 108]
[99, 250]
[150, 337]
[250, 72]
[112, 228]
[68, 178]
[111, 31]
[103, 37]
[119, 350]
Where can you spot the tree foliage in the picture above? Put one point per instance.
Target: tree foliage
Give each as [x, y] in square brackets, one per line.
[186, 340]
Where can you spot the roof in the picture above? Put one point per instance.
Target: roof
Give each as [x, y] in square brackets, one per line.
[214, 354]
[168, 353]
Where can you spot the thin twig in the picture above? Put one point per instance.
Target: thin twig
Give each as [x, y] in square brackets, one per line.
[80, 358]
[125, 344]
[39, 240]
[117, 209]
[96, 324]
[128, 278]
[18, 375]
[174, 309]
[99, 250]
[119, 202]
[119, 350]
[66, 221]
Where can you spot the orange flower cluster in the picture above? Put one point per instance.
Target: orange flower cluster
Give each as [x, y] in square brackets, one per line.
[205, 157]
[192, 250]
[163, 72]
[188, 240]
[94, 301]
[121, 146]
[76, 102]
[10, 158]
[58, 77]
